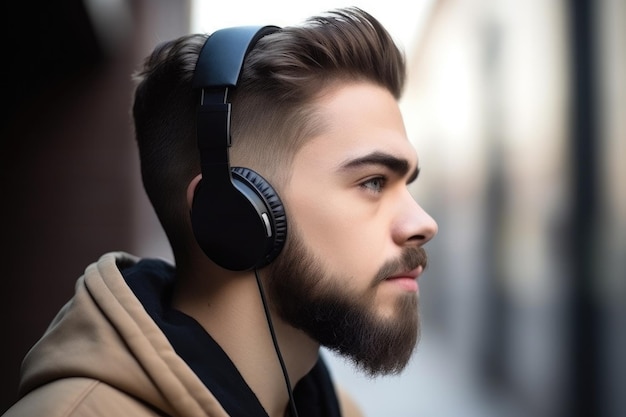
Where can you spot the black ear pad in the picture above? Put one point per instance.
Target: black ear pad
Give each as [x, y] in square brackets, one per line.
[271, 200]
[242, 227]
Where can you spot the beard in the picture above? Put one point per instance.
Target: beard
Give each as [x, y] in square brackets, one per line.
[309, 299]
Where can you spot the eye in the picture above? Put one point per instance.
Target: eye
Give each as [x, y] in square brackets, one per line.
[375, 184]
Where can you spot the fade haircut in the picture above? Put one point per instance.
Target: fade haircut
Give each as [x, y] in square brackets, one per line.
[273, 111]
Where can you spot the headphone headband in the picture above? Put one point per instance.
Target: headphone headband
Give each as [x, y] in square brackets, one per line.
[223, 53]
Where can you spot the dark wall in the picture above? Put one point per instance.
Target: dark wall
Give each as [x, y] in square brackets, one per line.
[68, 165]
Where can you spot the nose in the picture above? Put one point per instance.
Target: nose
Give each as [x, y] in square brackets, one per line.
[413, 226]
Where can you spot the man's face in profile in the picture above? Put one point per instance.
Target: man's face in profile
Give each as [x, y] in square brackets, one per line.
[348, 274]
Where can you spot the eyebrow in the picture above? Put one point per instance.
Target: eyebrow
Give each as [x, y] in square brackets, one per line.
[399, 166]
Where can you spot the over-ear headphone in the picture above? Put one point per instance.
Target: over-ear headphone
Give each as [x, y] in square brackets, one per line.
[237, 218]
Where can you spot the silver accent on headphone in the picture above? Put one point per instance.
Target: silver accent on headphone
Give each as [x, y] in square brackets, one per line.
[266, 222]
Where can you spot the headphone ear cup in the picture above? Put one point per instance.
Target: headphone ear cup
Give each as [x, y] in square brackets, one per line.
[239, 225]
[272, 205]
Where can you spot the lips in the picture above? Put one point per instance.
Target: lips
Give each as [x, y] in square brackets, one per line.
[407, 281]
[412, 274]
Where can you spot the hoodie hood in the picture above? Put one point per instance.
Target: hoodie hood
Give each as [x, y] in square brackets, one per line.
[104, 333]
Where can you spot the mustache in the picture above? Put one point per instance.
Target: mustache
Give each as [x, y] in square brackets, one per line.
[410, 259]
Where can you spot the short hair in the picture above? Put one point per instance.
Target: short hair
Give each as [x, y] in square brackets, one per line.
[273, 105]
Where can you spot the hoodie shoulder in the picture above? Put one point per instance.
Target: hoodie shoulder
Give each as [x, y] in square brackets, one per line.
[79, 397]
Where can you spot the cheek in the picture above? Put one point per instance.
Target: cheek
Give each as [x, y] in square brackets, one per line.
[347, 240]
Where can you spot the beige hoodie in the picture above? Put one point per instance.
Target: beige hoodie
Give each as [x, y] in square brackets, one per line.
[104, 356]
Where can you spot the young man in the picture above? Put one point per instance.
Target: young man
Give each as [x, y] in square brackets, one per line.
[329, 255]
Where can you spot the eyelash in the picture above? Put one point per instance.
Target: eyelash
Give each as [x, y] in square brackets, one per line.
[380, 180]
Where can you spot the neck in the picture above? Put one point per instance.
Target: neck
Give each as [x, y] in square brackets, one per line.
[228, 306]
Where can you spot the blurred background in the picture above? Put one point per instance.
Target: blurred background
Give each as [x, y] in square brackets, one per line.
[517, 112]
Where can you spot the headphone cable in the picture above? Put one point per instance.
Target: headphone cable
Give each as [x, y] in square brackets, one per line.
[292, 403]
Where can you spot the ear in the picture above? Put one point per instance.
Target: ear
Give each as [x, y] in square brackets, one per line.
[191, 189]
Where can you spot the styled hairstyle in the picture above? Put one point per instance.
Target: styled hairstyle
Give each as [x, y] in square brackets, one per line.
[273, 105]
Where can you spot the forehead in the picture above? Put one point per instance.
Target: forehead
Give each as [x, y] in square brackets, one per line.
[358, 119]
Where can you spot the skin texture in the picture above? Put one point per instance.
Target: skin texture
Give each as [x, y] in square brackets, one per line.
[332, 281]
[354, 227]
[349, 207]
